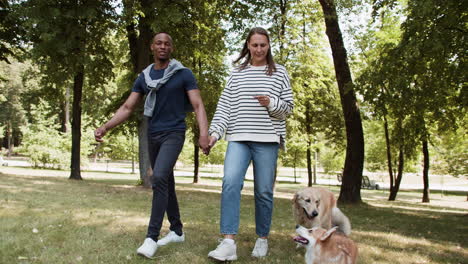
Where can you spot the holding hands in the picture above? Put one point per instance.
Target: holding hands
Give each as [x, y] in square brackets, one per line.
[206, 143]
[203, 143]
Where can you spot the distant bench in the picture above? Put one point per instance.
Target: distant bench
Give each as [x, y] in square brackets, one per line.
[366, 182]
[3, 162]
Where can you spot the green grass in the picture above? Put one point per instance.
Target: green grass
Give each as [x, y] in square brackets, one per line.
[56, 220]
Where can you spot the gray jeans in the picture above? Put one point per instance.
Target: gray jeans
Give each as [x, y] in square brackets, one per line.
[164, 149]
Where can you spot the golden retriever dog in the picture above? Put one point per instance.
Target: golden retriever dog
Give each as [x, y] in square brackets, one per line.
[316, 207]
[326, 247]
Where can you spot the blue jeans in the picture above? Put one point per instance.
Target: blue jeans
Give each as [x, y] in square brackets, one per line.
[237, 160]
[164, 149]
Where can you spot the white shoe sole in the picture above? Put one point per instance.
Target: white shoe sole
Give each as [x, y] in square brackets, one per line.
[228, 258]
[144, 255]
[167, 243]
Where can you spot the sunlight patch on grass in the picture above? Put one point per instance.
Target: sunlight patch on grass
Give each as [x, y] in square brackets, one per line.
[413, 208]
[394, 239]
[402, 249]
[3, 186]
[123, 186]
[112, 219]
[42, 182]
[15, 190]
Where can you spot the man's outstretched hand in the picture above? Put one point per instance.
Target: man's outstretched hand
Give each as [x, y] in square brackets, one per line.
[99, 133]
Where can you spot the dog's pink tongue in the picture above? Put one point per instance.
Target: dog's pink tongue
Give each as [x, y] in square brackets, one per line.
[301, 240]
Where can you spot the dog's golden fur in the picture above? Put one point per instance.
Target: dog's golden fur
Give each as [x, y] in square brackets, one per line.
[316, 207]
[326, 247]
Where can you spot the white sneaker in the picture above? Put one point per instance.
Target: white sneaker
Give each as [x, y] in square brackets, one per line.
[170, 238]
[148, 248]
[261, 248]
[226, 250]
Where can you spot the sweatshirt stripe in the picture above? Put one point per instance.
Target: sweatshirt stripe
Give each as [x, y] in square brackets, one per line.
[239, 116]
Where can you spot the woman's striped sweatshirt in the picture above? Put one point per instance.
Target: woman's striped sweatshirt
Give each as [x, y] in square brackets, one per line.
[240, 117]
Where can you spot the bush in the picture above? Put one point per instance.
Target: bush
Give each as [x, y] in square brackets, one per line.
[45, 145]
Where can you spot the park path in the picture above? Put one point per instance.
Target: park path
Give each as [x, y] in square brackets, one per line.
[123, 170]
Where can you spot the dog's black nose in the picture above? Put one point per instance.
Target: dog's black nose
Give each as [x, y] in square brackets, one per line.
[297, 226]
[314, 213]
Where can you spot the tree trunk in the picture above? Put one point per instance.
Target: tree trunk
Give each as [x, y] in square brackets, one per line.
[315, 166]
[66, 122]
[389, 153]
[196, 162]
[283, 8]
[146, 172]
[133, 151]
[140, 56]
[294, 164]
[425, 149]
[196, 130]
[78, 80]
[395, 188]
[309, 163]
[9, 132]
[352, 174]
[308, 127]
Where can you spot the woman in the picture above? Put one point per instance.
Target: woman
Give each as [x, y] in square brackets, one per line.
[251, 113]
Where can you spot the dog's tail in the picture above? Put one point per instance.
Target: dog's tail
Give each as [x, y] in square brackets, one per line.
[341, 220]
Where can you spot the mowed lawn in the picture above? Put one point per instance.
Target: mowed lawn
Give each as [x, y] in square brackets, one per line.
[56, 220]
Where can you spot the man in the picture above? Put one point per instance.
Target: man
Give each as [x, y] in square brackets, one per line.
[169, 88]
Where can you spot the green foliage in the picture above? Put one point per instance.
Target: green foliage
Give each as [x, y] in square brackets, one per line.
[45, 145]
[12, 113]
[414, 75]
[296, 154]
[376, 149]
[121, 147]
[11, 33]
[216, 155]
[42, 142]
[331, 160]
[297, 43]
[450, 153]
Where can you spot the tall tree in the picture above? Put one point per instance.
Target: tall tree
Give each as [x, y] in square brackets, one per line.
[201, 50]
[423, 76]
[11, 32]
[70, 39]
[316, 100]
[139, 17]
[434, 44]
[12, 115]
[372, 48]
[352, 173]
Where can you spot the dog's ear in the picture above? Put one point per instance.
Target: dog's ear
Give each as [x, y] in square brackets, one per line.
[328, 233]
[294, 199]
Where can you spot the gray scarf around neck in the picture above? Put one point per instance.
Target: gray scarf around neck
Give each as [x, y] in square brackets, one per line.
[154, 85]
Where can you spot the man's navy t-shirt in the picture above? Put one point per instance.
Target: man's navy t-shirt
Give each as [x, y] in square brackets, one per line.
[171, 99]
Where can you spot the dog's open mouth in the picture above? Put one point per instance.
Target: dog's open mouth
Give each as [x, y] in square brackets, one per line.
[301, 240]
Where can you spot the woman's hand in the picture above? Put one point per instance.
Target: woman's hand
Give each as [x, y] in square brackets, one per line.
[264, 100]
[212, 141]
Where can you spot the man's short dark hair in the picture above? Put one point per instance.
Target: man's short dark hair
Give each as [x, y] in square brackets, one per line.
[162, 32]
